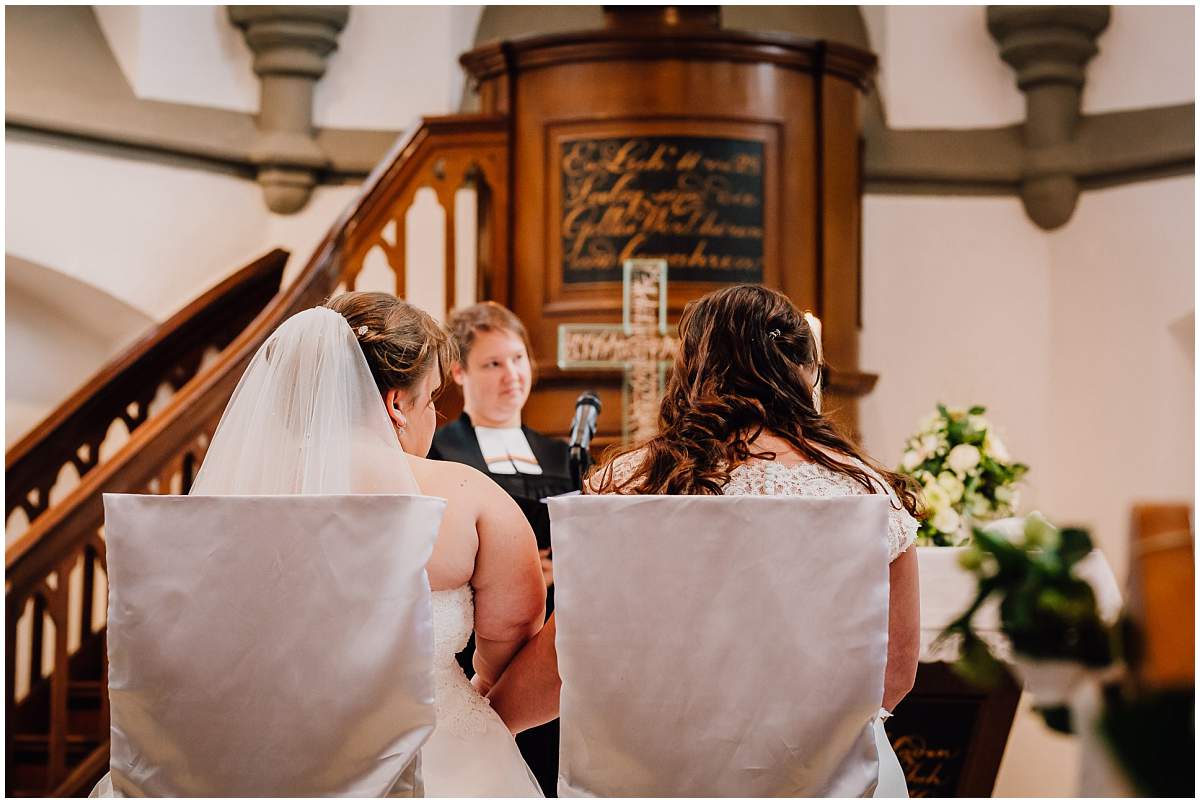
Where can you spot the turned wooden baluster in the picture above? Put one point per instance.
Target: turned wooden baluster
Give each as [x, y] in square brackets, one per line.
[60, 679]
[10, 668]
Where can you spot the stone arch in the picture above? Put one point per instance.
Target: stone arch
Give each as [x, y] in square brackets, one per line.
[59, 331]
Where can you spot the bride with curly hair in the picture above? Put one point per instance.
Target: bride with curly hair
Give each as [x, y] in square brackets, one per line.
[741, 415]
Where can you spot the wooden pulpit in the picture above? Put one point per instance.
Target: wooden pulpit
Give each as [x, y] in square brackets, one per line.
[733, 156]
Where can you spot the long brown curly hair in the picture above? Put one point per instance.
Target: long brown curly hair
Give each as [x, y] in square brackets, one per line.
[740, 370]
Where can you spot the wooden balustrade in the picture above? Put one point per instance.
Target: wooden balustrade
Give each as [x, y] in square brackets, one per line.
[478, 159]
[50, 747]
[120, 396]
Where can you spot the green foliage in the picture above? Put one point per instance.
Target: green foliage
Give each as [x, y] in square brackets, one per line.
[1045, 610]
[1048, 613]
[965, 473]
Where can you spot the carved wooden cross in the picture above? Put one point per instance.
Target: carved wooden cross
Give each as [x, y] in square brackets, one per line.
[640, 345]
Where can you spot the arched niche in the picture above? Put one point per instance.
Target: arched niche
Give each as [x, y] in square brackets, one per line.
[58, 332]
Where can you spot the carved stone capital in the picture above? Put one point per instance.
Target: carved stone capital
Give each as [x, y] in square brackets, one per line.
[1049, 48]
[1047, 43]
[290, 46]
[291, 40]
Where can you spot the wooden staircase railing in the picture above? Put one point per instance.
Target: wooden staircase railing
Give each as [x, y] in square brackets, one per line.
[121, 394]
[55, 572]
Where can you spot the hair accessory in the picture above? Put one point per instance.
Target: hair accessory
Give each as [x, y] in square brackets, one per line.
[774, 333]
[362, 330]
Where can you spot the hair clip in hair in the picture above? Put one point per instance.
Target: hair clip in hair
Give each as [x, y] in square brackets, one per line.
[362, 330]
[774, 333]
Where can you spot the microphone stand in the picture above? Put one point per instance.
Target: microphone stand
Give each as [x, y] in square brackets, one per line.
[583, 428]
[581, 461]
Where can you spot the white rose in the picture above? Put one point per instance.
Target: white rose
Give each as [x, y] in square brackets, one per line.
[976, 423]
[981, 507]
[946, 520]
[930, 444]
[911, 460]
[936, 497]
[1012, 502]
[951, 484]
[995, 447]
[930, 423]
[963, 458]
[1010, 529]
[1004, 494]
[1040, 533]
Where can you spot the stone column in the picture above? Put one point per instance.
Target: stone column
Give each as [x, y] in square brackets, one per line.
[1049, 48]
[290, 45]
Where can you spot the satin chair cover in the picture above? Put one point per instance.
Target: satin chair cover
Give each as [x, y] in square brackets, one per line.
[269, 646]
[720, 646]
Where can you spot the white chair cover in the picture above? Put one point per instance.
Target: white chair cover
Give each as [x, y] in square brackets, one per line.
[720, 646]
[269, 646]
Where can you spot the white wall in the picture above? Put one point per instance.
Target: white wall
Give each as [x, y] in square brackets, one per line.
[1147, 58]
[394, 64]
[182, 54]
[940, 68]
[1122, 363]
[152, 235]
[956, 305]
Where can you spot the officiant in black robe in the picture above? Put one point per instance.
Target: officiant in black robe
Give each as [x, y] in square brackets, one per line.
[495, 374]
[459, 443]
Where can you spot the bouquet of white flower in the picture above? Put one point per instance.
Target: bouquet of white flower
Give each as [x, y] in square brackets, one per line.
[965, 472]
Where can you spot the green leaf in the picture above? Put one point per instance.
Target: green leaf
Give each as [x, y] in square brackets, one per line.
[977, 665]
[977, 410]
[1076, 545]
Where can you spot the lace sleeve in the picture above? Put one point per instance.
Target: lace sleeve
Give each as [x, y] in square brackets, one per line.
[617, 472]
[902, 530]
[902, 527]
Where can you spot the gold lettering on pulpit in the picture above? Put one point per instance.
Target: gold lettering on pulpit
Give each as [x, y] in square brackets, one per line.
[695, 202]
[925, 767]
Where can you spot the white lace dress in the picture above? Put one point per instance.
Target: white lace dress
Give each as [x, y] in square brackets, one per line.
[471, 753]
[767, 478]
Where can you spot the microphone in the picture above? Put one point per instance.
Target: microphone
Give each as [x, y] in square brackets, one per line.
[583, 427]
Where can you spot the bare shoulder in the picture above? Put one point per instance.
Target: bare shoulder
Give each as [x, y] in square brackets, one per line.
[439, 477]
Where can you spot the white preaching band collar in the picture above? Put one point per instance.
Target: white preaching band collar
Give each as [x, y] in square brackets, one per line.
[506, 450]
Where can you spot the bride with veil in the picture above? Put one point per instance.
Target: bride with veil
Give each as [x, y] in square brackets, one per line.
[340, 400]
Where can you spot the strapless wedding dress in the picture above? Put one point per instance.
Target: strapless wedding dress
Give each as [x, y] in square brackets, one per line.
[471, 753]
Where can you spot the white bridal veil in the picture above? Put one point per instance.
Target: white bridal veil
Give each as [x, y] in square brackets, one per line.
[271, 634]
[306, 418]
